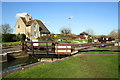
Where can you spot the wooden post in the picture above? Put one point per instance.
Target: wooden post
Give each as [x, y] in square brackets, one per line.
[25, 48]
[22, 45]
[47, 46]
[32, 47]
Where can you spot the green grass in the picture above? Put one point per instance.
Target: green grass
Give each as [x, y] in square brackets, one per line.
[83, 66]
[82, 40]
[44, 44]
[73, 42]
[103, 50]
[11, 43]
[69, 43]
[117, 41]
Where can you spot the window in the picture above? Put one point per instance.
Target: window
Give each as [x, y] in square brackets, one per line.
[35, 34]
[18, 26]
[34, 25]
[40, 28]
[29, 18]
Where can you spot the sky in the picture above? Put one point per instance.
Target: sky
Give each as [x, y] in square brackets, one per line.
[101, 17]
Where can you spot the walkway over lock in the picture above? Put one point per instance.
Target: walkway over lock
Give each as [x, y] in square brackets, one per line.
[59, 48]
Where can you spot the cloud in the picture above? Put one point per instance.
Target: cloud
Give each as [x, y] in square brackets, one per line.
[20, 15]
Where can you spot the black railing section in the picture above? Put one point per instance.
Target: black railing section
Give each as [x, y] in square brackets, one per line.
[41, 47]
[49, 46]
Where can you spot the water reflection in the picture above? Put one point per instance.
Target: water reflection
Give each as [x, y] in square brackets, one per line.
[18, 62]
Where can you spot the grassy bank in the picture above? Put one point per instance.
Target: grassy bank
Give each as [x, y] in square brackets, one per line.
[11, 43]
[104, 50]
[83, 66]
[82, 40]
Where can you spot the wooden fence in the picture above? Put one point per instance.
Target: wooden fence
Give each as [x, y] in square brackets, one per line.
[41, 48]
[51, 47]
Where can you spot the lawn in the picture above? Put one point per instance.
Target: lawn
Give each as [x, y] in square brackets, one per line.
[103, 50]
[82, 66]
[11, 43]
[82, 40]
[117, 41]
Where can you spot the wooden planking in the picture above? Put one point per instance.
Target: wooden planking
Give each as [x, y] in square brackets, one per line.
[63, 46]
[63, 49]
[63, 53]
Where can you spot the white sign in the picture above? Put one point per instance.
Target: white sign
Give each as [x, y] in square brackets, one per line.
[116, 44]
[95, 40]
[35, 44]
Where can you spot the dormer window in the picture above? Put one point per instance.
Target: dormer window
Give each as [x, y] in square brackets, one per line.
[18, 26]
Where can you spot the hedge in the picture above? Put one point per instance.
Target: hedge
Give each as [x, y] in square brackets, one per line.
[13, 37]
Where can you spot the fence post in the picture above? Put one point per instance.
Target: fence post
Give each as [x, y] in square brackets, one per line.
[47, 46]
[25, 48]
[22, 44]
[32, 47]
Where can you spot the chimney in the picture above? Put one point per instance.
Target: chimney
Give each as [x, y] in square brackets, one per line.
[28, 17]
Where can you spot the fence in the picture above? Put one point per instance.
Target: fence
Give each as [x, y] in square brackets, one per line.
[41, 48]
[51, 47]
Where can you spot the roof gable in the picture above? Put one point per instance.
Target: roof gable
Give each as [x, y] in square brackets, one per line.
[43, 27]
[23, 19]
[40, 23]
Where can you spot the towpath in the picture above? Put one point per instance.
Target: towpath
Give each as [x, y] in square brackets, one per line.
[10, 48]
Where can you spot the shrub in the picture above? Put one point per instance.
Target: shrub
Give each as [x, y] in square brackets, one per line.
[8, 37]
[61, 35]
[20, 37]
[45, 38]
[13, 37]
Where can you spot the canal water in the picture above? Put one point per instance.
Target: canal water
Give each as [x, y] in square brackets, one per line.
[12, 64]
[23, 61]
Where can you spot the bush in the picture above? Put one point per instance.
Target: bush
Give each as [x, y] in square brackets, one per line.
[20, 37]
[45, 38]
[8, 37]
[13, 37]
[61, 35]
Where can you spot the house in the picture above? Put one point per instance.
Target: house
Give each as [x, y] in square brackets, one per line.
[32, 28]
[83, 35]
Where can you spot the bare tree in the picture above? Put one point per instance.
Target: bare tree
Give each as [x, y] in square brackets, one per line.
[6, 28]
[65, 31]
[89, 31]
[113, 33]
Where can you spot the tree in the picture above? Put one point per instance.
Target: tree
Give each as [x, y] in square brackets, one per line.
[113, 33]
[65, 31]
[20, 37]
[6, 28]
[89, 31]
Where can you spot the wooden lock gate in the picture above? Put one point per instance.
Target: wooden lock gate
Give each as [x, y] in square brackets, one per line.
[63, 49]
